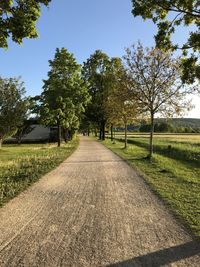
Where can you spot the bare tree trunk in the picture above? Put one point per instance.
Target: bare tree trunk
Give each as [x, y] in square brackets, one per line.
[65, 135]
[1, 141]
[19, 139]
[59, 134]
[111, 132]
[125, 141]
[114, 135]
[100, 133]
[103, 130]
[151, 136]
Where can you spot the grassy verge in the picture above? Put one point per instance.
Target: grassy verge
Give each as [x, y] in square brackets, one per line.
[20, 166]
[176, 181]
[187, 151]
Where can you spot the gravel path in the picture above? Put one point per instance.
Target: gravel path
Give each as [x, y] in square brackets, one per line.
[93, 210]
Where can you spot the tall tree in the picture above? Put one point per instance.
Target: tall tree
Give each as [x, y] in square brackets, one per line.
[95, 71]
[155, 84]
[65, 94]
[167, 15]
[18, 19]
[13, 106]
[121, 109]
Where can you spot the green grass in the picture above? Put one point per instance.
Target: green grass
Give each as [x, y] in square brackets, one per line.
[20, 166]
[176, 148]
[174, 175]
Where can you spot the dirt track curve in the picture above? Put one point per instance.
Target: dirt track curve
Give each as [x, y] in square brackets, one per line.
[93, 210]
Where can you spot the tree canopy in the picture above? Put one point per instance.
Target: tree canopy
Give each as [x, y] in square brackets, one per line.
[167, 15]
[120, 107]
[13, 106]
[155, 83]
[18, 19]
[102, 74]
[65, 95]
[95, 73]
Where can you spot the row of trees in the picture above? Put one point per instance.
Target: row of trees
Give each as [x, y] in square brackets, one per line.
[18, 19]
[164, 127]
[147, 82]
[109, 91]
[61, 103]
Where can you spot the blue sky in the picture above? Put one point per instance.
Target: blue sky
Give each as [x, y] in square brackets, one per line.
[81, 27]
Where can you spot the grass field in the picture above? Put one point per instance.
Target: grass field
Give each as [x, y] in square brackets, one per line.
[173, 173]
[20, 166]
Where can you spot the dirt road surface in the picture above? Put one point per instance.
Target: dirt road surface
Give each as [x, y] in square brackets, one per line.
[93, 210]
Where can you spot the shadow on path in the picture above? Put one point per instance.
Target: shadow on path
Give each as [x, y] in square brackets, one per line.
[164, 256]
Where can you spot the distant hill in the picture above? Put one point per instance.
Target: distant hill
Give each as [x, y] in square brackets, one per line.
[182, 122]
[180, 125]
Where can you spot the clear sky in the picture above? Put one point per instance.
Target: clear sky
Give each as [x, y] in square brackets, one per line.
[81, 27]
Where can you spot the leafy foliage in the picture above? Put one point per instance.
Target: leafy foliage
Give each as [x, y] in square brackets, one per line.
[13, 106]
[106, 79]
[18, 19]
[155, 83]
[65, 94]
[167, 15]
[120, 107]
[96, 75]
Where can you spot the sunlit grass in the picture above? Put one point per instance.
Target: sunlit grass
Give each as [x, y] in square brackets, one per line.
[177, 181]
[184, 137]
[20, 166]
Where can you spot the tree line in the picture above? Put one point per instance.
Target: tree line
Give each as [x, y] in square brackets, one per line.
[104, 92]
[145, 83]
[167, 127]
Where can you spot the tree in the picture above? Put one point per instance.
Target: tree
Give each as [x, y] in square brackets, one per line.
[95, 73]
[13, 106]
[121, 109]
[167, 15]
[155, 84]
[65, 95]
[18, 19]
[23, 129]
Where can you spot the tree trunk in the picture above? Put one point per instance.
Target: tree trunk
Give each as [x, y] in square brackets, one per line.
[69, 134]
[125, 132]
[113, 135]
[65, 135]
[19, 139]
[59, 134]
[111, 132]
[100, 133]
[95, 132]
[103, 130]
[151, 136]
[1, 141]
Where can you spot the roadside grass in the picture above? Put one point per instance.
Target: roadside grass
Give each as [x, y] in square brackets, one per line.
[22, 165]
[188, 151]
[176, 181]
[180, 137]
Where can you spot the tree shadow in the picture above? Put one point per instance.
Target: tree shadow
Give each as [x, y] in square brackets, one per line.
[163, 257]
